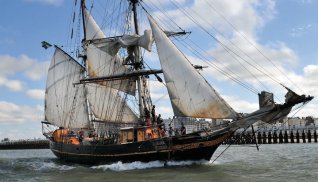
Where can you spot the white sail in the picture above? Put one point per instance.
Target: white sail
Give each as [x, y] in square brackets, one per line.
[65, 103]
[108, 106]
[190, 94]
[100, 63]
[104, 96]
[112, 46]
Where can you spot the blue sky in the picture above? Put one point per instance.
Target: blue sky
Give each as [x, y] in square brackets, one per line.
[284, 31]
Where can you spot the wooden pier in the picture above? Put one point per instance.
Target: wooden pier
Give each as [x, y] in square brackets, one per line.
[24, 144]
[275, 136]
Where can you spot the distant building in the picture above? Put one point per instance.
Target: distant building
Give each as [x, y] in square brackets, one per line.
[5, 140]
[193, 125]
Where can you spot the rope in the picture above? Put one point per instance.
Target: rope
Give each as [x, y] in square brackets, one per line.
[204, 58]
[228, 146]
[251, 43]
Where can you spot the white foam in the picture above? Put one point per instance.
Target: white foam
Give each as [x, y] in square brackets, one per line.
[119, 166]
[45, 166]
[211, 163]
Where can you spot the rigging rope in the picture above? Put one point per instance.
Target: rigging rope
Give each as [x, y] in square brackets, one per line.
[251, 43]
[231, 52]
[204, 58]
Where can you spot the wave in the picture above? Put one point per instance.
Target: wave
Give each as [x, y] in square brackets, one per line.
[48, 166]
[34, 164]
[119, 166]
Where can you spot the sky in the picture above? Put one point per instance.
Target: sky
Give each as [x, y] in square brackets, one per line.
[284, 32]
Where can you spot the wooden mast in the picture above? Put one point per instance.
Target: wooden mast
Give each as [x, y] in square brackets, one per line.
[138, 65]
[83, 17]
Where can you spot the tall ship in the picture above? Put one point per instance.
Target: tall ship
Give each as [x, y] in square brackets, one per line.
[98, 106]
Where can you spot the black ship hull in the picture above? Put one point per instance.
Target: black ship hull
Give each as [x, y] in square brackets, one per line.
[189, 147]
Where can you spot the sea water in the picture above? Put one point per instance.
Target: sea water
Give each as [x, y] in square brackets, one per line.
[276, 162]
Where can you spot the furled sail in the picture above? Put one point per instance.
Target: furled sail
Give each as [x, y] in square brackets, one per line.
[190, 94]
[112, 45]
[65, 103]
[100, 63]
[105, 100]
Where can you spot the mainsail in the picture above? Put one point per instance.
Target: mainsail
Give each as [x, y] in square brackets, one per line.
[65, 103]
[190, 94]
[105, 100]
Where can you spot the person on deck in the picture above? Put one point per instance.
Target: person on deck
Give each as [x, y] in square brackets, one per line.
[153, 114]
[170, 130]
[162, 132]
[183, 129]
[159, 119]
[147, 117]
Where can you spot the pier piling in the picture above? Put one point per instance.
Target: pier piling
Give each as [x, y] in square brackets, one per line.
[274, 136]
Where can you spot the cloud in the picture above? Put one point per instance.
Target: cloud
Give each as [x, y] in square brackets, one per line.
[301, 31]
[49, 2]
[310, 79]
[165, 111]
[36, 94]
[13, 85]
[240, 105]
[11, 66]
[304, 1]
[245, 16]
[13, 113]
[247, 61]
[38, 70]
[160, 98]
[21, 131]
[164, 2]
[264, 65]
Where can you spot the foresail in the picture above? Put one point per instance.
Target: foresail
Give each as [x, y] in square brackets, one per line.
[100, 63]
[108, 106]
[190, 94]
[65, 103]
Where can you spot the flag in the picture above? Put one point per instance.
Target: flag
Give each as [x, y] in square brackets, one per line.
[45, 44]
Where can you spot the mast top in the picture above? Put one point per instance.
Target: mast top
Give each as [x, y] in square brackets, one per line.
[134, 1]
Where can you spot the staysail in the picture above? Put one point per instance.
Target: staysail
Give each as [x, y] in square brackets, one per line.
[104, 97]
[190, 94]
[65, 103]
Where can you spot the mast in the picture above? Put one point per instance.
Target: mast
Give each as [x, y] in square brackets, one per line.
[138, 64]
[83, 17]
[84, 57]
[134, 9]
